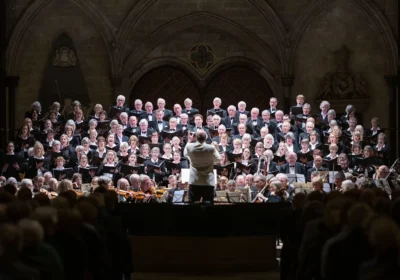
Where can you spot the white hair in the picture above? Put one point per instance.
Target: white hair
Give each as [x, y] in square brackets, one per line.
[26, 182]
[348, 185]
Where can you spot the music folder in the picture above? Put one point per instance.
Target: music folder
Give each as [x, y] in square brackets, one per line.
[11, 159]
[86, 171]
[128, 169]
[61, 174]
[234, 157]
[296, 110]
[255, 140]
[144, 139]
[212, 112]
[136, 113]
[331, 164]
[103, 125]
[304, 158]
[171, 134]
[96, 161]
[152, 166]
[280, 160]
[243, 167]
[114, 112]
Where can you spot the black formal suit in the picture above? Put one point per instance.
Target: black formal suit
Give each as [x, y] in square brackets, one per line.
[191, 111]
[299, 168]
[186, 128]
[228, 123]
[121, 109]
[155, 125]
[278, 127]
[119, 141]
[136, 113]
[148, 132]
[255, 125]
[167, 114]
[146, 115]
[272, 111]
[235, 130]
[312, 169]
[215, 111]
[245, 112]
[272, 167]
[228, 148]
[131, 130]
[271, 125]
[322, 119]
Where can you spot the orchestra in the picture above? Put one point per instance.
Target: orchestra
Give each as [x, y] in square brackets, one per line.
[140, 150]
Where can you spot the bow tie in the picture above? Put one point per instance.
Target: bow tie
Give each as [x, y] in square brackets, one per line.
[291, 166]
[150, 114]
[216, 110]
[266, 123]
[172, 129]
[159, 121]
[144, 132]
[232, 119]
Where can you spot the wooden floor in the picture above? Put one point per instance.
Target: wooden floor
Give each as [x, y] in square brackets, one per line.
[239, 276]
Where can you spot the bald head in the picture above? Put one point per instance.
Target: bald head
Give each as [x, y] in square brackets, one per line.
[201, 135]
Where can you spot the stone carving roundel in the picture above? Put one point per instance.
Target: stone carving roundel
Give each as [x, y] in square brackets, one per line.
[201, 56]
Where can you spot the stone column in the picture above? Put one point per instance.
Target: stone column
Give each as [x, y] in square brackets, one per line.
[12, 84]
[394, 100]
[287, 83]
[116, 84]
[3, 105]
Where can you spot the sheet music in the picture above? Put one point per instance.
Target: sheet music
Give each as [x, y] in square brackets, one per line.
[332, 176]
[178, 196]
[215, 177]
[185, 175]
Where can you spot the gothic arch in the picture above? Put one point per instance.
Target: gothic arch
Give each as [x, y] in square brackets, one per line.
[34, 10]
[261, 5]
[234, 83]
[167, 81]
[369, 7]
[240, 62]
[161, 62]
[192, 20]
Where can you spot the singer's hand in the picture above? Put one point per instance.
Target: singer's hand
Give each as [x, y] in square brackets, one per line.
[16, 166]
[5, 167]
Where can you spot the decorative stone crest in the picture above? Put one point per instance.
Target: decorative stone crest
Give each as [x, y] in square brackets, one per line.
[64, 57]
[342, 84]
[201, 56]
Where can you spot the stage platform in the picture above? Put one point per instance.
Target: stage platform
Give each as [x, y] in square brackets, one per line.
[204, 238]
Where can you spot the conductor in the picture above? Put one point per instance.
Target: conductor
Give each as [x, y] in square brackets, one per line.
[202, 157]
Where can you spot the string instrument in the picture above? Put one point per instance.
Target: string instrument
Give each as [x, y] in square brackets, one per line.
[51, 195]
[257, 199]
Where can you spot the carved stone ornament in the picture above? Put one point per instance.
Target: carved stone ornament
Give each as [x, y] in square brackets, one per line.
[201, 56]
[342, 84]
[64, 57]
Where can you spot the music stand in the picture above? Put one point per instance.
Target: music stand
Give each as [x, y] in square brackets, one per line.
[178, 197]
[246, 195]
[234, 197]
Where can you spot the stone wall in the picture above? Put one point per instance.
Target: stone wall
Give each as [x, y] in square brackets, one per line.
[117, 40]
